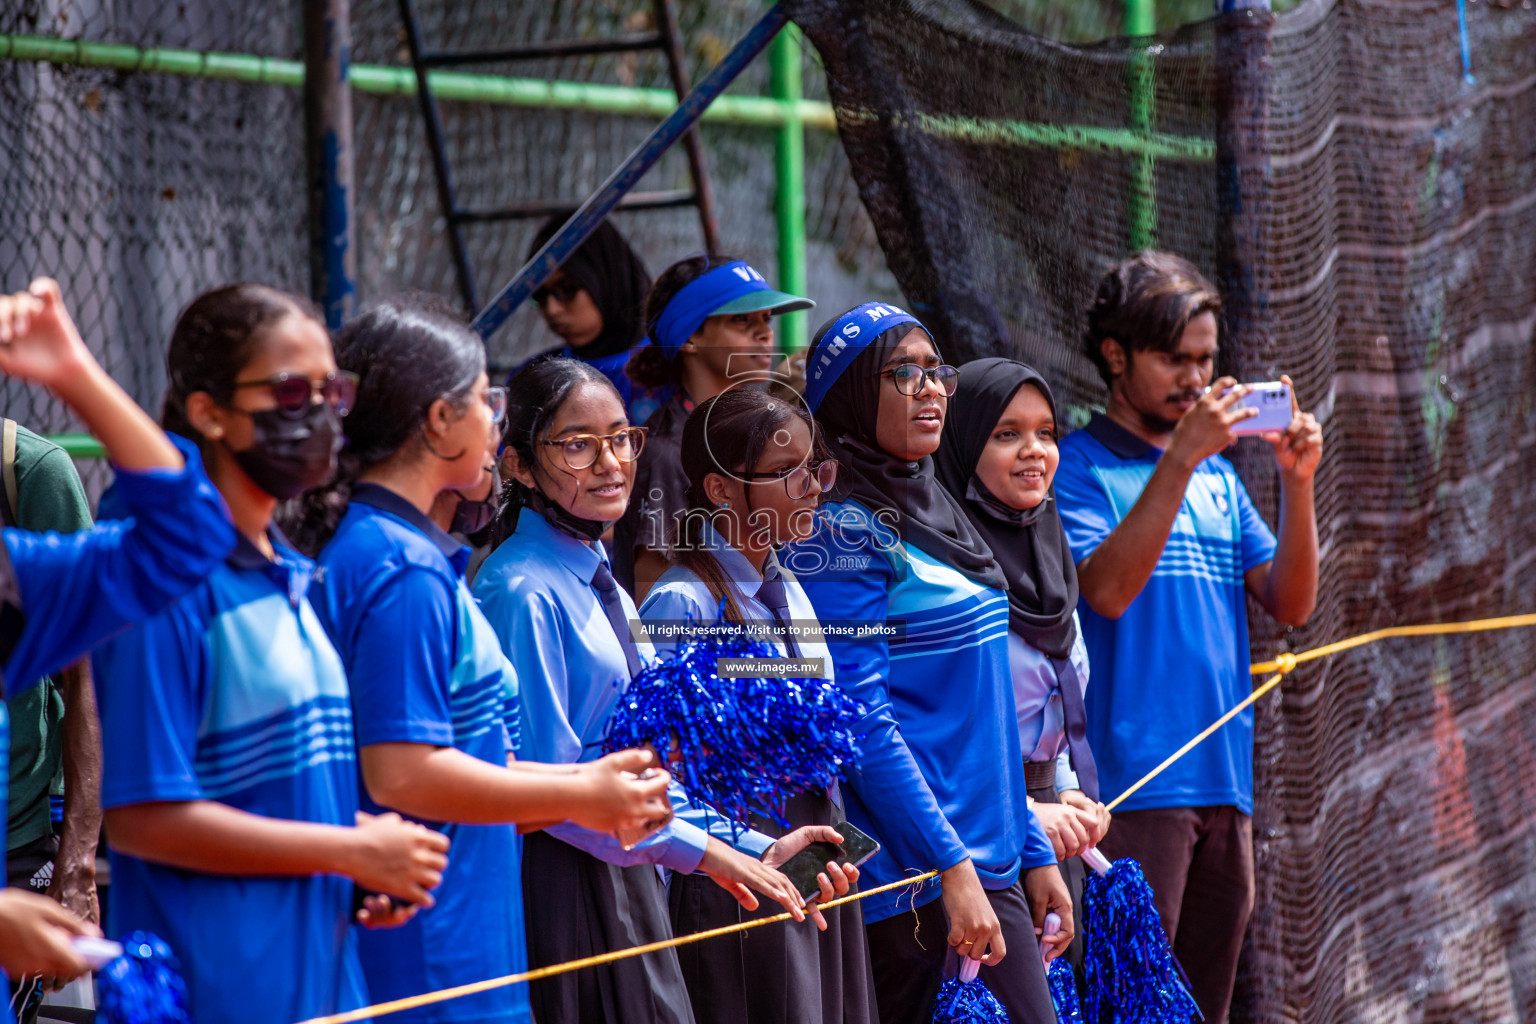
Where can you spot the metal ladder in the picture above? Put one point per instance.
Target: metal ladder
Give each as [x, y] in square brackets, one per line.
[663, 38]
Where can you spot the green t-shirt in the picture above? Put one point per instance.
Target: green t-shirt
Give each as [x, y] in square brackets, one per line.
[49, 497]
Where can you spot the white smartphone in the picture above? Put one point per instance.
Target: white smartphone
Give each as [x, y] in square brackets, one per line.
[1273, 400]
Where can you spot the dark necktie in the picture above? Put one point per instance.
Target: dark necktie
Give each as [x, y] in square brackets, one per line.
[1075, 717]
[771, 595]
[608, 593]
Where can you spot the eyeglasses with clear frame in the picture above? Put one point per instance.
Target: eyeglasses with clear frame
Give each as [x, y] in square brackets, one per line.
[581, 451]
[797, 479]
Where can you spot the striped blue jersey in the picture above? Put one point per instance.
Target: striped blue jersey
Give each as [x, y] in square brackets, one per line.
[940, 777]
[236, 695]
[425, 668]
[1177, 659]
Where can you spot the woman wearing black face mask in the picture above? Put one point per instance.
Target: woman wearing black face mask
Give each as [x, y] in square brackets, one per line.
[230, 785]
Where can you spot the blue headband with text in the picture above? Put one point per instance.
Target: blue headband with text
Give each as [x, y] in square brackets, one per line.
[843, 342]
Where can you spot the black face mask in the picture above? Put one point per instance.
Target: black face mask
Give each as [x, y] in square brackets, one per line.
[473, 516]
[291, 454]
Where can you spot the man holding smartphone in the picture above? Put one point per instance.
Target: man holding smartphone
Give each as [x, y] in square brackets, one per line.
[1167, 543]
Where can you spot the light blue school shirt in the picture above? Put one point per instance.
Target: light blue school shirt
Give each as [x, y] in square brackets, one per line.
[424, 668]
[234, 694]
[1177, 658]
[1037, 700]
[941, 775]
[680, 596]
[169, 529]
[536, 590]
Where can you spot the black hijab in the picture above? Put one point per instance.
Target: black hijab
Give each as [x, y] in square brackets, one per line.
[1031, 546]
[924, 512]
[613, 275]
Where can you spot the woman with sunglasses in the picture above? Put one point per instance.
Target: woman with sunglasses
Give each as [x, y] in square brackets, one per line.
[228, 777]
[756, 472]
[710, 320]
[940, 780]
[429, 682]
[594, 305]
[549, 593]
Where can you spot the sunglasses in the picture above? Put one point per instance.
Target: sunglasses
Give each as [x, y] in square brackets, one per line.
[581, 451]
[797, 479]
[910, 378]
[294, 393]
[562, 291]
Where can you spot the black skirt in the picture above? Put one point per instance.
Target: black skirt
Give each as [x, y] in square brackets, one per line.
[778, 973]
[578, 906]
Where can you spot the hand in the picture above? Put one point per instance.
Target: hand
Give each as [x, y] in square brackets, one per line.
[38, 340]
[74, 888]
[380, 911]
[739, 874]
[622, 801]
[1094, 816]
[35, 935]
[835, 881]
[1207, 427]
[1299, 448]
[1047, 893]
[974, 930]
[398, 857]
[1064, 826]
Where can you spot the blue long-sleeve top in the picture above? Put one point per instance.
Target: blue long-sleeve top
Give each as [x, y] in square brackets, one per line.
[162, 531]
[941, 776]
[168, 528]
[1037, 697]
[536, 591]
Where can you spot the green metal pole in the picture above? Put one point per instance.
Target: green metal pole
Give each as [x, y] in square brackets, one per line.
[1140, 21]
[789, 165]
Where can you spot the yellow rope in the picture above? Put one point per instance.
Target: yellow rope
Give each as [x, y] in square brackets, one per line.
[1280, 666]
[443, 995]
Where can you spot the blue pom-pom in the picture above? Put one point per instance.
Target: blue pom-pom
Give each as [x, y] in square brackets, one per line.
[1069, 1008]
[967, 1002]
[747, 745]
[1132, 975]
[143, 986]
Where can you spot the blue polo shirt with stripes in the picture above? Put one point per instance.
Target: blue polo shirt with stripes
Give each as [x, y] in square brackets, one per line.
[236, 695]
[1177, 659]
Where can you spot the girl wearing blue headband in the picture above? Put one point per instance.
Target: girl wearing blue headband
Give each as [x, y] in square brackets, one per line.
[710, 320]
[940, 780]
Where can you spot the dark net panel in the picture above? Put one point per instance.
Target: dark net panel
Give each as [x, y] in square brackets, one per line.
[1395, 784]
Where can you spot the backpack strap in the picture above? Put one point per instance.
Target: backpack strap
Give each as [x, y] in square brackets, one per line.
[8, 465]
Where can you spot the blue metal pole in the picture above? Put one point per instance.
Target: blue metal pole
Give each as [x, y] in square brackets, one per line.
[586, 219]
[328, 145]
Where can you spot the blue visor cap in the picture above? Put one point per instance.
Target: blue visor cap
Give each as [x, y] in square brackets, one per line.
[849, 335]
[724, 291]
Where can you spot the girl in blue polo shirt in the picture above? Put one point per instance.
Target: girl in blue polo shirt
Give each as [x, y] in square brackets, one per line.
[549, 593]
[940, 778]
[998, 455]
[429, 683]
[61, 595]
[756, 472]
[228, 777]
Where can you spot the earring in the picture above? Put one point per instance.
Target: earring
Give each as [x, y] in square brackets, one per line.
[216, 433]
[725, 504]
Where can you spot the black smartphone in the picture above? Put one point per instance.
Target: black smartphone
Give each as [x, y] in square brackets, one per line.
[803, 867]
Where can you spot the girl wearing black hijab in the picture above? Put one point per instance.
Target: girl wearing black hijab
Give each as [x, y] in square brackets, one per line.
[939, 781]
[594, 303]
[998, 455]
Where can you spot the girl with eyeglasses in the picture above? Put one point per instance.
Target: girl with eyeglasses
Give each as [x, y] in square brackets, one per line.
[549, 592]
[228, 777]
[710, 320]
[430, 686]
[756, 473]
[61, 595]
[940, 780]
